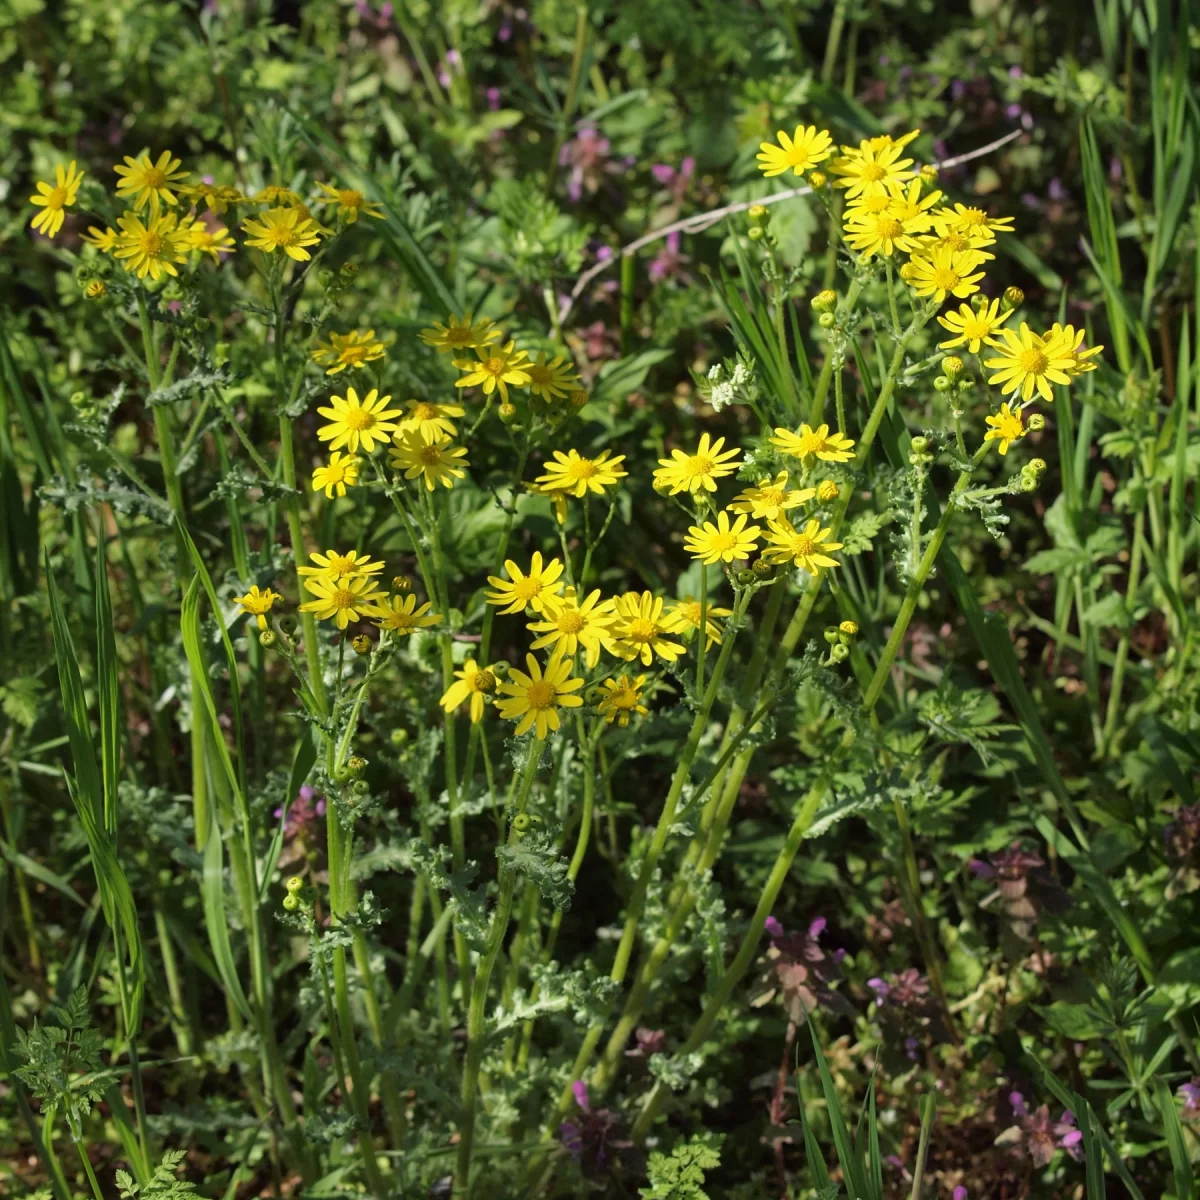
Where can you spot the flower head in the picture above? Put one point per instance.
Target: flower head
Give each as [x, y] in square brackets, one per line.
[258, 603]
[150, 249]
[642, 627]
[687, 617]
[577, 476]
[972, 328]
[819, 443]
[943, 272]
[520, 591]
[401, 616]
[1026, 362]
[333, 565]
[104, 239]
[550, 380]
[353, 349]
[433, 461]
[53, 198]
[431, 421]
[341, 600]
[536, 697]
[460, 333]
[337, 475]
[621, 699]
[803, 150]
[569, 625]
[1073, 340]
[722, 542]
[350, 204]
[145, 182]
[972, 222]
[354, 423]
[807, 548]
[217, 197]
[496, 368]
[286, 229]
[213, 241]
[874, 168]
[695, 472]
[885, 232]
[1004, 426]
[770, 498]
[471, 683]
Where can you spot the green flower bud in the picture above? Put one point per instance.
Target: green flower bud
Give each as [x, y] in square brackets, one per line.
[839, 653]
[966, 383]
[1029, 481]
[398, 737]
[762, 568]
[831, 634]
[508, 412]
[267, 637]
[499, 670]
[578, 398]
[521, 823]
[1037, 464]
[827, 320]
[824, 301]
[817, 180]
[361, 644]
[952, 366]
[755, 233]
[287, 623]
[942, 384]
[919, 444]
[746, 576]
[1013, 298]
[291, 903]
[759, 213]
[325, 278]
[1035, 423]
[294, 883]
[360, 787]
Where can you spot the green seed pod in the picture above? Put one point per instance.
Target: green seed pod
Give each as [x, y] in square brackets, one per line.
[831, 634]
[746, 576]
[966, 383]
[499, 670]
[1029, 481]
[325, 278]
[287, 624]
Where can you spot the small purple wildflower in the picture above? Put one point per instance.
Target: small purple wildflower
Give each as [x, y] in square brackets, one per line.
[302, 812]
[960, 1193]
[1189, 1093]
[1037, 1136]
[668, 262]
[493, 99]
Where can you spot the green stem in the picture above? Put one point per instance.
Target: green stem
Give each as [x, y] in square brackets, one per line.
[1118, 675]
[568, 108]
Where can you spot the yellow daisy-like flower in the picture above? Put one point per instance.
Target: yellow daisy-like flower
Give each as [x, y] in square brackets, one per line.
[881, 233]
[152, 249]
[952, 239]
[804, 149]
[435, 462]
[471, 683]
[341, 600]
[337, 475]
[217, 197]
[911, 207]
[355, 423]
[1005, 427]
[150, 183]
[552, 379]
[103, 239]
[460, 333]
[944, 272]
[722, 542]
[973, 222]
[1027, 361]
[642, 627]
[872, 168]
[214, 242]
[570, 625]
[807, 548]
[285, 229]
[350, 204]
[536, 698]
[497, 367]
[622, 699]
[971, 328]
[687, 611]
[54, 198]
[556, 496]
[521, 591]
[275, 194]
[258, 603]
[401, 616]
[828, 447]
[695, 472]
[1074, 339]
[577, 476]
[353, 349]
[431, 421]
[770, 498]
[332, 565]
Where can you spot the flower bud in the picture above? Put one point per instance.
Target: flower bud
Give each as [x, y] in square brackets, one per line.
[287, 623]
[849, 627]
[929, 174]
[1013, 297]
[294, 883]
[919, 444]
[349, 270]
[290, 902]
[839, 653]
[361, 644]
[1036, 422]
[824, 301]
[95, 290]
[1029, 480]
[485, 680]
[499, 670]
[402, 583]
[759, 213]
[578, 398]
[173, 291]
[966, 383]
[360, 787]
[325, 278]
[942, 384]
[267, 637]
[827, 490]
[906, 271]
[952, 366]
[827, 320]
[755, 233]
[831, 634]
[746, 576]
[356, 764]
[521, 823]
[398, 736]
[817, 180]
[508, 412]
[1037, 464]
[762, 569]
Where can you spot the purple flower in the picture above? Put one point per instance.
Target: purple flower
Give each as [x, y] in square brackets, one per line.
[588, 1137]
[675, 181]
[1013, 112]
[302, 812]
[799, 970]
[1056, 191]
[773, 927]
[908, 989]
[960, 1193]
[504, 32]
[668, 261]
[1015, 72]
[1189, 1093]
[604, 253]
[587, 156]
[649, 1042]
[1036, 1136]
[958, 90]
[493, 98]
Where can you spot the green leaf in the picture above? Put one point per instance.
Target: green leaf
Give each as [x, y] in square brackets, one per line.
[1181, 1165]
[1108, 612]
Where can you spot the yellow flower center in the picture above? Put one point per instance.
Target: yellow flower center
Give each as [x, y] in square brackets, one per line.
[424, 412]
[480, 681]
[525, 589]
[335, 472]
[152, 242]
[494, 366]
[358, 419]
[154, 178]
[890, 228]
[342, 598]
[430, 456]
[872, 172]
[57, 197]
[583, 469]
[283, 235]
[402, 620]
[352, 355]
[540, 694]
[571, 621]
[720, 542]
[460, 335]
[771, 497]
[803, 545]
[875, 204]
[1033, 361]
[811, 443]
[350, 199]
[973, 217]
[944, 279]
[539, 374]
[954, 241]
[642, 630]
[339, 564]
[697, 466]
[976, 327]
[625, 698]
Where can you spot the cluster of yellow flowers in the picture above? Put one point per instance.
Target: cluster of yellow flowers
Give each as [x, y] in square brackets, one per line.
[154, 236]
[891, 210]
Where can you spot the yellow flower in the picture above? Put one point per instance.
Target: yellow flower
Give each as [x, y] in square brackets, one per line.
[53, 198]
[258, 603]
[569, 624]
[911, 207]
[827, 490]
[973, 222]
[577, 476]
[103, 239]
[693, 472]
[274, 194]
[498, 366]
[471, 683]
[151, 249]
[400, 615]
[95, 289]
[332, 565]
[216, 196]
[353, 349]
[1027, 362]
[556, 496]
[350, 204]
[687, 611]
[641, 628]
[944, 272]
[807, 548]
[436, 462]
[550, 379]
[722, 542]
[150, 183]
[340, 473]
[342, 600]
[952, 239]
[622, 699]
[770, 499]
[1005, 426]
[526, 591]
[872, 168]
[829, 447]
[881, 233]
[460, 333]
[285, 229]
[1074, 339]
[354, 422]
[431, 421]
[804, 149]
[972, 328]
[537, 697]
[216, 241]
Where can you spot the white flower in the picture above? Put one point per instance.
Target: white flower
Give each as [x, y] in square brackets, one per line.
[714, 372]
[741, 375]
[722, 395]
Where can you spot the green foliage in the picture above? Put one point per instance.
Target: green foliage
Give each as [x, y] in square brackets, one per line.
[679, 1175]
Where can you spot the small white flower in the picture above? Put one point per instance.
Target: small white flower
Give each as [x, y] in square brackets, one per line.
[741, 375]
[714, 372]
[722, 395]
